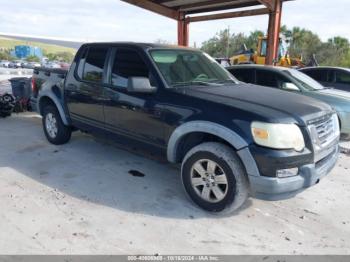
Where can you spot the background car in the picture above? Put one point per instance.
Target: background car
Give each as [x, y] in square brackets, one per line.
[52, 65]
[295, 81]
[64, 65]
[4, 63]
[32, 65]
[15, 64]
[336, 77]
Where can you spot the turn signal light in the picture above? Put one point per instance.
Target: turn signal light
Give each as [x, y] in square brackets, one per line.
[260, 133]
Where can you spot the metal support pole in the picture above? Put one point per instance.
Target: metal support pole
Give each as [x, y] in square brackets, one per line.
[274, 32]
[183, 30]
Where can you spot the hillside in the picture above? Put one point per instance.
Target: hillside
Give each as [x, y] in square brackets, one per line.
[9, 43]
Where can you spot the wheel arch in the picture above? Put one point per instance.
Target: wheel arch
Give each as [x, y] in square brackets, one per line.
[50, 98]
[201, 128]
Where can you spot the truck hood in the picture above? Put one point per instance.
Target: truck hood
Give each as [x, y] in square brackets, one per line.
[272, 104]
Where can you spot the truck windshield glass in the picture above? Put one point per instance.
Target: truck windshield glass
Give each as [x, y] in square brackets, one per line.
[187, 67]
[305, 81]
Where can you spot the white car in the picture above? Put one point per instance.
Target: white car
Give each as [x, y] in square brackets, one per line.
[52, 65]
[15, 64]
[4, 63]
[32, 65]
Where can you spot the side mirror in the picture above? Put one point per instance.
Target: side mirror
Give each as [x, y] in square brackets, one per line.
[140, 85]
[290, 86]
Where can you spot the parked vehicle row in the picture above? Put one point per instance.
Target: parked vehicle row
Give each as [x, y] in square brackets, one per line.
[231, 139]
[32, 65]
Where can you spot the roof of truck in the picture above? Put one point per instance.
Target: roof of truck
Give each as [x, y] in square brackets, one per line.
[140, 45]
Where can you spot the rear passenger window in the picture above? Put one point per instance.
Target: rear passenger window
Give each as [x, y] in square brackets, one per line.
[127, 63]
[343, 78]
[244, 75]
[95, 60]
[318, 74]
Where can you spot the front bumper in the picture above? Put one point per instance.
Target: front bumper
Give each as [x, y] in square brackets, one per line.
[309, 175]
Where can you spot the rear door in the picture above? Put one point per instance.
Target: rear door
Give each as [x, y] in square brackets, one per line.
[85, 95]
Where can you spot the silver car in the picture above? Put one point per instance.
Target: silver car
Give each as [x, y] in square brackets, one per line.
[294, 81]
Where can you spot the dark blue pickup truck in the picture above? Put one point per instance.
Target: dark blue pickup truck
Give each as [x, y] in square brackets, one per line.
[231, 139]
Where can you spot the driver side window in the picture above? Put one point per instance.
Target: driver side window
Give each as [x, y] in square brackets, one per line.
[274, 79]
[127, 63]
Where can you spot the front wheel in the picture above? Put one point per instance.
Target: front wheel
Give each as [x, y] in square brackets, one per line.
[214, 178]
[55, 131]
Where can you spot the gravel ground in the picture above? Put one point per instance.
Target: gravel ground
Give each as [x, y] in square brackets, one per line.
[80, 199]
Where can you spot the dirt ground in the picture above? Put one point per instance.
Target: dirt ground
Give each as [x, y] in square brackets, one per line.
[80, 198]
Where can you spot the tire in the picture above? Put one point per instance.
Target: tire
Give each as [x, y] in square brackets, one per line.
[345, 137]
[4, 115]
[233, 194]
[55, 131]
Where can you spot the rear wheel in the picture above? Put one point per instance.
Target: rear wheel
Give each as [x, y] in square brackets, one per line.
[55, 131]
[214, 178]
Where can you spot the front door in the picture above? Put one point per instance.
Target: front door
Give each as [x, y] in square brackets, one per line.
[135, 115]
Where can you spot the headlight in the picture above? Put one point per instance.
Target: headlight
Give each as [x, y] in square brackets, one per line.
[278, 136]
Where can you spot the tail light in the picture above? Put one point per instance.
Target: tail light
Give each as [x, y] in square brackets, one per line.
[34, 90]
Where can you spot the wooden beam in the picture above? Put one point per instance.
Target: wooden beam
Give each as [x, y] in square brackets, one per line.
[154, 7]
[260, 11]
[270, 4]
[183, 31]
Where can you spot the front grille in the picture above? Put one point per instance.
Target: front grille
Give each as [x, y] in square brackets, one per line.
[325, 130]
[324, 133]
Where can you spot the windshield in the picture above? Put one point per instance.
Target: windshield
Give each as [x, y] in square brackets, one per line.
[307, 82]
[187, 67]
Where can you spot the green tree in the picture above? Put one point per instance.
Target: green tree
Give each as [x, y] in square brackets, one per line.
[60, 56]
[253, 39]
[224, 44]
[5, 55]
[303, 42]
[65, 56]
[33, 58]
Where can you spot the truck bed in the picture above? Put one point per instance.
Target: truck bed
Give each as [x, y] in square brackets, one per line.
[41, 75]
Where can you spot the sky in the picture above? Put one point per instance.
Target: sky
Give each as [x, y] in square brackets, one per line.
[114, 20]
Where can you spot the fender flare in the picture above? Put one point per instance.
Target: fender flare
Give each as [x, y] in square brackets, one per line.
[206, 127]
[235, 140]
[50, 94]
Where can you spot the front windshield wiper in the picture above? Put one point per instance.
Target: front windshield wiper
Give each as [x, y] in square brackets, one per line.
[194, 83]
[224, 81]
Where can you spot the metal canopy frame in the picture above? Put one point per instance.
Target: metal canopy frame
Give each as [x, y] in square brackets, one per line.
[189, 11]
